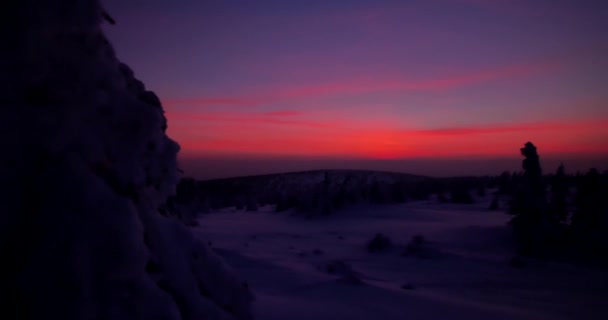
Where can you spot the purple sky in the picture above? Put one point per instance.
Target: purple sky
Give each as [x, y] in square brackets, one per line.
[263, 86]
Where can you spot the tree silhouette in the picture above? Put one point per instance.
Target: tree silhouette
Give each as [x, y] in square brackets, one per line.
[481, 190]
[559, 195]
[325, 195]
[460, 194]
[375, 193]
[529, 204]
[505, 183]
[590, 218]
[397, 192]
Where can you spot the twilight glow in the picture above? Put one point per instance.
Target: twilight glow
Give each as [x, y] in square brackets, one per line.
[371, 80]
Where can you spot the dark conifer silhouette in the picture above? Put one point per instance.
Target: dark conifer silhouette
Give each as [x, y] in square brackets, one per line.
[559, 195]
[441, 197]
[282, 203]
[505, 183]
[325, 195]
[529, 204]
[460, 194]
[481, 191]
[251, 204]
[397, 193]
[375, 193]
[590, 219]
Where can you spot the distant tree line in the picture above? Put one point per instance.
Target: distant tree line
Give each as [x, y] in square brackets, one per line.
[322, 193]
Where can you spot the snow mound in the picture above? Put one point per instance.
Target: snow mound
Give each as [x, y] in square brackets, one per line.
[87, 168]
[345, 271]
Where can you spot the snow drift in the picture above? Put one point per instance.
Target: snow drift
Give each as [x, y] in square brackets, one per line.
[86, 168]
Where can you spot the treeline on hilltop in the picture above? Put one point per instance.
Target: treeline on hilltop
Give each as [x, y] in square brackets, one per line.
[553, 214]
[328, 191]
[325, 192]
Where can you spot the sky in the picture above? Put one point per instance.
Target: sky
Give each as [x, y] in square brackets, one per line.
[436, 87]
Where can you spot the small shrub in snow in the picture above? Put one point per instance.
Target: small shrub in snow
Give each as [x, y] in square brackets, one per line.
[344, 271]
[461, 195]
[408, 286]
[481, 191]
[350, 279]
[282, 205]
[517, 262]
[252, 207]
[418, 240]
[416, 247]
[379, 243]
[494, 205]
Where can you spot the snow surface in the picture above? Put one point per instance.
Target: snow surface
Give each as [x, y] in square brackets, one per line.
[320, 268]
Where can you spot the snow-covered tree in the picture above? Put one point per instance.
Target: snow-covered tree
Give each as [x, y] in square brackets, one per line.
[559, 195]
[590, 218]
[85, 167]
[529, 203]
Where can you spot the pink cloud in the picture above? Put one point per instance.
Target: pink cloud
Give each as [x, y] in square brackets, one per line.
[443, 83]
[215, 101]
[283, 113]
[282, 117]
[502, 128]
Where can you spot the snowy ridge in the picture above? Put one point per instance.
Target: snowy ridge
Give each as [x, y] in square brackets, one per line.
[88, 169]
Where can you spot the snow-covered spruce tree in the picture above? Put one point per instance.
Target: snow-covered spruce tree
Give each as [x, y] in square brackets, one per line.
[326, 194]
[558, 203]
[537, 231]
[590, 218]
[85, 166]
[531, 223]
[185, 203]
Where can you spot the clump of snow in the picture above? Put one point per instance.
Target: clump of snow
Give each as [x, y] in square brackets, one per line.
[87, 167]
